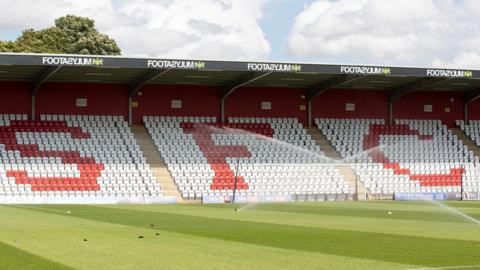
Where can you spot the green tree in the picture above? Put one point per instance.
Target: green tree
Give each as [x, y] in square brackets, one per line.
[70, 35]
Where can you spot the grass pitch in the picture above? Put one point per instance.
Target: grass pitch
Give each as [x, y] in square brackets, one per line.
[347, 235]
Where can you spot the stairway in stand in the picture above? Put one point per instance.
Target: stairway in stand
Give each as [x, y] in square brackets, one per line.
[156, 163]
[466, 141]
[344, 169]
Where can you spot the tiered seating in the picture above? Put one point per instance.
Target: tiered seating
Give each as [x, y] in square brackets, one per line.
[409, 156]
[472, 129]
[72, 159]
[266, 156]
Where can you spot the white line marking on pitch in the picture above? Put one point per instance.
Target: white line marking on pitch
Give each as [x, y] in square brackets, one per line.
[447, 267]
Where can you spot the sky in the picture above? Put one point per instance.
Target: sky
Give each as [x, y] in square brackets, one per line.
[433, 33]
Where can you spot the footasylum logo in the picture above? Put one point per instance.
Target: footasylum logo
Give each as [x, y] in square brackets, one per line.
[176, 64]
[365, 70]
[449, 73]
[72, 61]
[274, 67]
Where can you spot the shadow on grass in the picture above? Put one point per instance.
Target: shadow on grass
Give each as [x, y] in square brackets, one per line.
[437, 216]
[15, 258]
[412, 250]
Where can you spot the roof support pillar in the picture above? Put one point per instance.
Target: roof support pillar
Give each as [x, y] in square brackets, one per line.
[323, 86]
[390, 112]
[222, 110]
[37, 84]
[309, 109]
[232, 86]
[138, 84]
[469, 98]
[33, 107]
[465, 112]
[472, 96]
[47, 73]
[146, 78]
[422, 83]
[130, 111]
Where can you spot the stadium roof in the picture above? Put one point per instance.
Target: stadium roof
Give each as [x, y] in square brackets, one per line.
[229, 75]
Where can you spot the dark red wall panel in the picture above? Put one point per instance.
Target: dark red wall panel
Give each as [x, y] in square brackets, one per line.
[286, 102]
[59, 98]
[411, 106]
[368, 104]
[474, 110]
[103, 99]
[196, 101]
[15, 98]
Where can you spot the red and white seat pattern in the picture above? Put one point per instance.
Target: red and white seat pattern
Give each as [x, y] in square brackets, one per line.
[268, 156]
[73, 159]
[409, 156]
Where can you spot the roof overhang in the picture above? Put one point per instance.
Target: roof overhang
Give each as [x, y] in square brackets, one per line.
[226, 75]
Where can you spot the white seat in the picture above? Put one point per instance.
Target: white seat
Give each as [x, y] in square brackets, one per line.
[438, 153]
[110, 143]
[290, 159]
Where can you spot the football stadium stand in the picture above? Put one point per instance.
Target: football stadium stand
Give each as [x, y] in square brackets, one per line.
[94, 129]
[63, 158]
[410, 156]
[267, 156]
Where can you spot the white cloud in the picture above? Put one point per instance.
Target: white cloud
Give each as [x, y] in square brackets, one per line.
[465, 60]
[215, 29]
[391, 32]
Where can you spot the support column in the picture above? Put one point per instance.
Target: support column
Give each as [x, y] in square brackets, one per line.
[232, 86]
[465, 107]
[136, 85]
[390, 112]
[129, 111]
[222, 110]
[33, 107]
[37, 85]
[309, 108]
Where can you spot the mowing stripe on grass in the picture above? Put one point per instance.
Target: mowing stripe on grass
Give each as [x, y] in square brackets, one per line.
[422, 251]
[449, 267]
[114, 246]
[14, 258]
[439, 216]
[464, 204]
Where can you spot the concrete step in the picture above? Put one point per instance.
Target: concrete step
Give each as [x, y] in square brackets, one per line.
[324, 144]
[348, 173]
[156, 163]
[472, 146]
